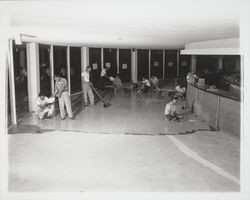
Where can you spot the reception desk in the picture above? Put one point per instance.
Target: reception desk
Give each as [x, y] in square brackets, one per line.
[220, 108]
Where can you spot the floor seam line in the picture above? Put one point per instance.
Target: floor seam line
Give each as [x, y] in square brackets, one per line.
[186, 150]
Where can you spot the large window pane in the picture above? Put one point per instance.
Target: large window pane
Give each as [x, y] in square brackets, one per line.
[60, 61]
[45, 72]
[9, 104]
[231, 64]
[143, 64]
[125, 64]
[170, 63]
[75, 69]
[157, 63]
[110, 60]
[95, 63]
[21, 82]
[207, 64]
[184, 65]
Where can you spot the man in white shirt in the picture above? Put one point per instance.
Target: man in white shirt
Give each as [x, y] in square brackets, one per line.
[87, 90]
[61, 91]
[44, 106]
[170, 110]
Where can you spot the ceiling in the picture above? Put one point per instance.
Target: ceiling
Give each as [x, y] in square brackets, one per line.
[125, 24]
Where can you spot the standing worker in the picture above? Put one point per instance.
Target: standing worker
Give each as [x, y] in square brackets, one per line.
[61, 91]
[87, 90]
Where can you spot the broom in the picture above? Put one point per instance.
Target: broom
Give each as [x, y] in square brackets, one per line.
[105, 104]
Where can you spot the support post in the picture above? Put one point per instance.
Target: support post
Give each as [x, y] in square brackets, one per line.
[118, 61]
[33, 73]
[12, 82]
[193, 63]
[149, 63]
[51, 56]
[163, 65]
[102, 58]
[84, 58]
[134, 66]
[68, 69]
[178, 63]
[217, 112]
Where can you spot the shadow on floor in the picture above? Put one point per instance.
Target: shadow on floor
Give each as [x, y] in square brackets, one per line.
[24, 128]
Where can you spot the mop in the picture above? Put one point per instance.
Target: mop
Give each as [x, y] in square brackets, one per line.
[105, 104]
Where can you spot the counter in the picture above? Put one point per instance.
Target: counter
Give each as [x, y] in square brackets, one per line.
[220, 108]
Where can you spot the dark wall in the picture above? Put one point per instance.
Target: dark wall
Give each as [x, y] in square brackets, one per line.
[110, 56]
[60, 60]
[142, 64]
[157, 63]
[125, 64]
[45, 72]
[184, 65]
[75, 69]
[95, 63]
[171, 63]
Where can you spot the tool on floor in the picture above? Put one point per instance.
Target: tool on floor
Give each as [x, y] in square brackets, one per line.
[105, 104]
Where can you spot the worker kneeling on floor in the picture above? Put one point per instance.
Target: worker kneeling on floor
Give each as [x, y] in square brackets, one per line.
[170, 110]
[44, 106]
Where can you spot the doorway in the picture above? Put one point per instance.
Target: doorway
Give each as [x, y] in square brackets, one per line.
[21, 82]
[125, 65]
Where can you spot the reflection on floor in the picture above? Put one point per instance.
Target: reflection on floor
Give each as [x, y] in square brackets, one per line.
[126, 147]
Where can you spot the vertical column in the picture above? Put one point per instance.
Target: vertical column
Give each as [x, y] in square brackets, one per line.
[178, 63]
[220, 62]
[68, 69]
[12, 82]
[102, 59]
[4, 24]
[51, 57]
[237, 64]
[134, 66]
[33, 73]
[217, 112]
[84, 58]
[163, 65]
[22, 57]
[193, 63]
[118, 62]
[149, 63]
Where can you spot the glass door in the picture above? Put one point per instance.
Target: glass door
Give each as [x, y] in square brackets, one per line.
[95, 63]
[125, 65]
[60, 61]
[75, 69]
[170, 63]
[21, 82]
[110, 60]
[142, 64]
[157, 63]
[45, 72]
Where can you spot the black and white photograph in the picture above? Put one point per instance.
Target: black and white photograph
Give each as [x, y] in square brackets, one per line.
[124, 99]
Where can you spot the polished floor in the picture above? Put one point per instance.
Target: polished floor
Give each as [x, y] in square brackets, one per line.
[128, 146]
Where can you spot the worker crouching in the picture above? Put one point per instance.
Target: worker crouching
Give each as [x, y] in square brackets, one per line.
[170, 111]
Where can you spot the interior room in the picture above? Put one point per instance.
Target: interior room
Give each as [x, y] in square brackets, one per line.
[123, 96]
